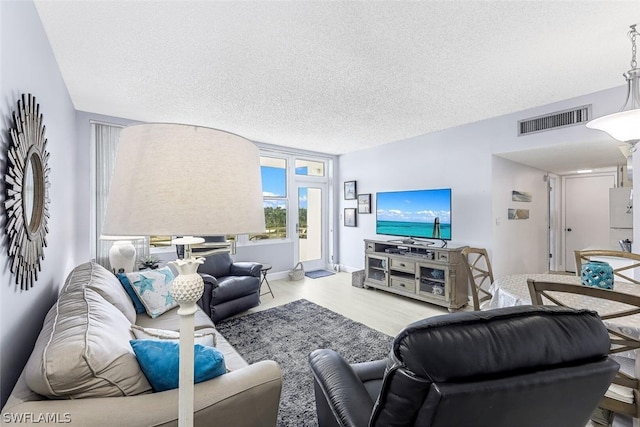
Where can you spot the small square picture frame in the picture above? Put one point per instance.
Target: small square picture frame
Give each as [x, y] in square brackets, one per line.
[350, 217]
[364, 203]
[350, 192]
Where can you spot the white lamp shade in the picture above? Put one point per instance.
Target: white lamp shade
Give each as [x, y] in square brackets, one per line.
[623, 126]
[108, 237]
[176, 180]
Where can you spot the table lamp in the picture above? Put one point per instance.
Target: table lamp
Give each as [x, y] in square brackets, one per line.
[182, 180]
[122, 254]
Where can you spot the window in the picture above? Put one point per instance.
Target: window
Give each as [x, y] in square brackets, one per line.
[105, 138]
[274, 193]
[309, 167]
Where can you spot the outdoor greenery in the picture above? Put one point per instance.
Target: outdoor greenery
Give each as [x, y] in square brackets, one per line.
[276, 223]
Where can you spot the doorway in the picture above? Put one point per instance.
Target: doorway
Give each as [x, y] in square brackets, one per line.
[311, 225]
[586, 213]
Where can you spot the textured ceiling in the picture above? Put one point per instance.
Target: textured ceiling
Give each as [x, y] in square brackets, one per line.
[334, 77]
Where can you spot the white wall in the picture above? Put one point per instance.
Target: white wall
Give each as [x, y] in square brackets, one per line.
[519, 246]
[28, 66]
[462, 158]
[453, 159]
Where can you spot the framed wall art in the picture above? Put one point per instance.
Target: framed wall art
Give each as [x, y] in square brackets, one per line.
[350, 190]
[521, 196]
[350, 217]
[364, 203]
[518, 214]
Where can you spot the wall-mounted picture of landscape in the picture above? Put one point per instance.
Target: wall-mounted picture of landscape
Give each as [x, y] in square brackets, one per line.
[521, 196]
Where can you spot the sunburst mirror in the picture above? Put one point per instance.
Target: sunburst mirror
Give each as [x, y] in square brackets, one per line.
[27, 197]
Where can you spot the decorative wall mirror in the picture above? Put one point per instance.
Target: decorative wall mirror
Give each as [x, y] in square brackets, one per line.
[27, 186]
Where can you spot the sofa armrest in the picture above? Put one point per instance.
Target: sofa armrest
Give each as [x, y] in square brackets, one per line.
[245, 397]
[341, 398]
[210, 284]
[245, 269]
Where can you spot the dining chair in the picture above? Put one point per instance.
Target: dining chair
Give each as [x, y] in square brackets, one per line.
[478, 267]
[623, 263]
[615, 309]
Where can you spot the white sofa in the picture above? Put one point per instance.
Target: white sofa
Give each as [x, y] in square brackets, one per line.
[83, 371]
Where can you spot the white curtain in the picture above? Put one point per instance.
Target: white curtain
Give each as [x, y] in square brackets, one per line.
[106, 143]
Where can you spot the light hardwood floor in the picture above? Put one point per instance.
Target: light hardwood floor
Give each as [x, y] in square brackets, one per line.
[383, 311]
[377, 309]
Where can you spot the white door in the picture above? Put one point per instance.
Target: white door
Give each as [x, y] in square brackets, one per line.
[311, 226]
[586, 209]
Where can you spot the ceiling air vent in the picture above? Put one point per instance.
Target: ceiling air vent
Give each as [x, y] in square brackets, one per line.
[555, 120]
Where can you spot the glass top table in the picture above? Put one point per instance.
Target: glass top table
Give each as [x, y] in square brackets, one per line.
[513, 290]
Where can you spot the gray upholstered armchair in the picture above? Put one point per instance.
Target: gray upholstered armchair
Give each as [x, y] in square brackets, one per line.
[229, 287]
[514, 366]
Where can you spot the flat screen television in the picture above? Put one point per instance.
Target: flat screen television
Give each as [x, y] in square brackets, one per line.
[415, 213]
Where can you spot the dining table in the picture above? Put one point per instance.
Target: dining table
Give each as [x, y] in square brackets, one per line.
[513, 290]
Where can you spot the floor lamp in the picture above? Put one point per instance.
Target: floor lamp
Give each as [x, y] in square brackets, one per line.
[180, 180]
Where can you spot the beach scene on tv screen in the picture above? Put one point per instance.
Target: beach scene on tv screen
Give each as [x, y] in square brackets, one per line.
[414, 213]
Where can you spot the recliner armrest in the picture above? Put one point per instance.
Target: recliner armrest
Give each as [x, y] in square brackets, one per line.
[210, 284]
[209, 281]
[341, 389]
[245, 269]
[370, 371]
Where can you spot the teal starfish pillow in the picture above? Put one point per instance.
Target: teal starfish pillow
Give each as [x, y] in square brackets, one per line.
[153, 288]
[159, 361]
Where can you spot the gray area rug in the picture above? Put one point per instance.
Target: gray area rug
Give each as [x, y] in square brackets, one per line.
[287, 334]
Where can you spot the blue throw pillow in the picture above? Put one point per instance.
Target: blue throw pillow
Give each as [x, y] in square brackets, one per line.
[159, 360]
[126, 284]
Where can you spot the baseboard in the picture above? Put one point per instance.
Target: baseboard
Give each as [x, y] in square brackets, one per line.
[278, 275]
[348, 269]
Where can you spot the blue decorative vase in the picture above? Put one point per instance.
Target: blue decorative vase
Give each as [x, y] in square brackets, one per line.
[598, 274]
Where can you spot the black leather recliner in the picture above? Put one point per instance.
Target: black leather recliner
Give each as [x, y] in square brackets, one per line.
[518, 366]
[229, 287]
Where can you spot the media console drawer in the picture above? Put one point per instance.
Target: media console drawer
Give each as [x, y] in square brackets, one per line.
[403, 265]
[402, 284]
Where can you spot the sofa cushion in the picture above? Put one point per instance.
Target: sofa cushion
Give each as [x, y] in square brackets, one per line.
[208, 338]
[153, 287]
[101, 280]
[159, 360]
[171, 320]
[203, 325]
[83, 351]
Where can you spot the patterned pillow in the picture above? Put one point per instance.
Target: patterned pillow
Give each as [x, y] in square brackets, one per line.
[132, 294]
[159, 360]
[207, 339]
[153, 287]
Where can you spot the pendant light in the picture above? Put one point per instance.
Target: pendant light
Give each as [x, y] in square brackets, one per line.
[625, 124]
